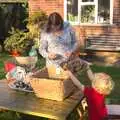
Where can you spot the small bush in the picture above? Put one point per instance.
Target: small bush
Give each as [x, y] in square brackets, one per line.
[19, 41]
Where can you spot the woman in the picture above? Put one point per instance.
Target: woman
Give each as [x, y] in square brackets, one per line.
[57, 41]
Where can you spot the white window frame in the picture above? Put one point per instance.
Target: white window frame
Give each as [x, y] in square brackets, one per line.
[80, 3]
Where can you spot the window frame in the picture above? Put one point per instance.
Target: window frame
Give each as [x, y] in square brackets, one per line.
[95, 2]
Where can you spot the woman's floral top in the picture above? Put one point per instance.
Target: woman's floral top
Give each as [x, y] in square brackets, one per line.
[66, 42]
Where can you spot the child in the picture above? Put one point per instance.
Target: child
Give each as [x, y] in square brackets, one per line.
[102, 85]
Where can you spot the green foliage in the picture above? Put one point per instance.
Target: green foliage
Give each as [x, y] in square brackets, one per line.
[37, 18]
[41, 62]
[19, 41]
[115, 74]
[12, 15]
[87, 14]
[35, 22]
[7, 115]
[72, 17]
[113, 98]
[3, 57]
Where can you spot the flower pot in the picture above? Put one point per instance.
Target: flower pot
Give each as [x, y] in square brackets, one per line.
[28, 60]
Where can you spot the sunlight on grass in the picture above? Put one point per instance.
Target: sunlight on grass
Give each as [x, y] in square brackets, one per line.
[8, 115]
[114, 72]
[3, 58]
[114, 97]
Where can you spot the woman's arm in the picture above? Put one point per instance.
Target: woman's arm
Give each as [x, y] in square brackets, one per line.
[90, 74]
[43, 48]
[74, 43]
[76, 81]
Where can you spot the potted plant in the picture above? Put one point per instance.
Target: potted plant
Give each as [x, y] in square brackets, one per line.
[19, 44]
[18, 41]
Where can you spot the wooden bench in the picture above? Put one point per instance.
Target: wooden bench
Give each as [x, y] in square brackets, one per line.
[28, 103]
[113, 112]
[103, 43]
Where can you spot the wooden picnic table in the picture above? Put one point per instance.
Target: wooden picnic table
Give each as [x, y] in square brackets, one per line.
[28, 103]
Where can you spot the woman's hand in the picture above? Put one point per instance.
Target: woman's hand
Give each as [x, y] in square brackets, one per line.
[68, 54]
[51, 56]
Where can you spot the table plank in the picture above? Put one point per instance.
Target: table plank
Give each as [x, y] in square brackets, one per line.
[28, 103]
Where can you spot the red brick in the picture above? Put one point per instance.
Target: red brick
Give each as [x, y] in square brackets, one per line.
[82, 32]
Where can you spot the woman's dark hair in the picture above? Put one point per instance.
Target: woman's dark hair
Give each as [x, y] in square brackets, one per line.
[55, 22]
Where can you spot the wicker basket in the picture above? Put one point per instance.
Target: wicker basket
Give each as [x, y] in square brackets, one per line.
[47, 84]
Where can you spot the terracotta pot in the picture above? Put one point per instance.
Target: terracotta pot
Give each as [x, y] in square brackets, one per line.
[15, 53]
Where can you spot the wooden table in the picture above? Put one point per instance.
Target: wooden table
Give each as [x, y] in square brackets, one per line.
[28, 103]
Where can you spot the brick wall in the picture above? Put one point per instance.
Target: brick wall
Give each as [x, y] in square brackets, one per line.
[84, 32]
[116, 12]
[48, 6]
[81, 31]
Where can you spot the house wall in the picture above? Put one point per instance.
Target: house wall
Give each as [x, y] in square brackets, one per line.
[82, 32]
[48, 6]
[116, 12]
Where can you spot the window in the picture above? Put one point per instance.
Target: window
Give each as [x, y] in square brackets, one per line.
[89, 11]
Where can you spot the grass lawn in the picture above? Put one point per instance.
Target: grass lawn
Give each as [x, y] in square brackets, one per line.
[3, 57]
[115, 74]
[114, 97]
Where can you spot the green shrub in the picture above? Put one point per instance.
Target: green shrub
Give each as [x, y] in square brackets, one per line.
[35, 22]
[19, 41]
